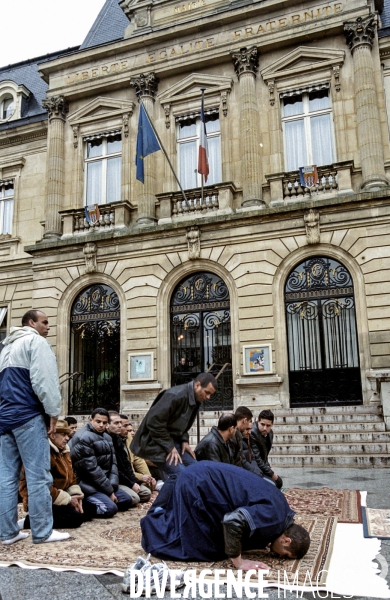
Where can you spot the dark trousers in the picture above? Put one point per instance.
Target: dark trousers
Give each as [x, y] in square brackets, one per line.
[103, 507]
[64, 517]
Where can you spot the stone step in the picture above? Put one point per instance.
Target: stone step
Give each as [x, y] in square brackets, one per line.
[328, 449]
[315, 436]
[377, 461]
[329, 410]
[329, 418]
[331, 438]
[296, 424]
[329, 428]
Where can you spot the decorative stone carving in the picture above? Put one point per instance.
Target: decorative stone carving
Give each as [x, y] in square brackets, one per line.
[361, 31]
[90, 251]
[271, 89]
[336, 74]
[193, 240]
[56, 106]
[167, 112]
[246, 60]
[142, 19]
[145, 84]
[75, 129]
[224, 96]
[312, 226]
[125, 120]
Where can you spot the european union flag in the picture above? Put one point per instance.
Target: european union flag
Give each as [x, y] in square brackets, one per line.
[147, 143]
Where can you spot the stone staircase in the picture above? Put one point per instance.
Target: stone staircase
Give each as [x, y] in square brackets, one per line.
[342, 436]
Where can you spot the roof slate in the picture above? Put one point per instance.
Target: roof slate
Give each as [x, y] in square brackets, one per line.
[109, 25]
[26, 73]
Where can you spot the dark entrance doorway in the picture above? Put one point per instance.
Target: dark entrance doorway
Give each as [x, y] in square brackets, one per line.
[95, 350]
[322, 340]
[200, 335]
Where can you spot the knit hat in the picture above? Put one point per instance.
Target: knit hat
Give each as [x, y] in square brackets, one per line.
[62, 427]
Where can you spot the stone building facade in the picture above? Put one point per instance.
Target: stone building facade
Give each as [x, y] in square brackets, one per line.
[284, 286]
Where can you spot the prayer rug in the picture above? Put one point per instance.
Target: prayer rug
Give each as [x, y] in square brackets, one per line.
[343, 504]
[376, 523]
[111, 545]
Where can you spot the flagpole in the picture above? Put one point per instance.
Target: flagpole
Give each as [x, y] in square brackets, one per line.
[202, 125]
[163, 149]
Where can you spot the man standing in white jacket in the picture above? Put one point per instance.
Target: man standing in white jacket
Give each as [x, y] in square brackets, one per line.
[29, 392]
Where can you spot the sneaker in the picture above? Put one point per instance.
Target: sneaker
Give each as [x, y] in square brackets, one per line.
[159, 485]
[159, 568]
[162, 568]
[139, 565]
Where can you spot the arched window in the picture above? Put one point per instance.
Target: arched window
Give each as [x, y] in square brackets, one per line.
[95, 350]
[200, 335]
[7, 107]
[322, 338]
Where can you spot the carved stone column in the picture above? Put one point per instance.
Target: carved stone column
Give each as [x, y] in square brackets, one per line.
[245, 64]
[57, 108]
[146, 88]
[360, 34]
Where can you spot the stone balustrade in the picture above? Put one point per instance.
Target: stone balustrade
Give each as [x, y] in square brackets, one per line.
[194, 202]
[112, 216]
[217, 199]
[333, 179]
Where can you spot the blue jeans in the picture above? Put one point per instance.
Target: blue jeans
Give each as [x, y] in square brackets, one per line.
[27, 445]
[105, 507]
[171, 469]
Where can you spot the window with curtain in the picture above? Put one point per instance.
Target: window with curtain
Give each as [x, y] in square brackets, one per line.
[188, 147]
[6, 206]
[103, 166]
[7, 107]
[308, 129]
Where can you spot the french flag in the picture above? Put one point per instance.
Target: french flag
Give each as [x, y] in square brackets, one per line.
[203, 159]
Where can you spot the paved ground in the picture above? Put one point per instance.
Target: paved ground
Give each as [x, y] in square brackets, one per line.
[18, 584]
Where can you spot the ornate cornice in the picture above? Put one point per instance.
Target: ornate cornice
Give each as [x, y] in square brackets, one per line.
[360, 32]
[56, 106]
[145, 84]
[246, 60]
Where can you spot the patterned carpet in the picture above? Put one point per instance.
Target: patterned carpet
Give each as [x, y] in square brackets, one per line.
[343, 504]
[111, 545]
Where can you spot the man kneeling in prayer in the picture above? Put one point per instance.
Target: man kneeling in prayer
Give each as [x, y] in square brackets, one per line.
[65, 492]
[212, 510]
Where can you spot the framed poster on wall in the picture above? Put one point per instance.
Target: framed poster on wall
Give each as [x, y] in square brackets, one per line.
[257, 359]
[140, 366]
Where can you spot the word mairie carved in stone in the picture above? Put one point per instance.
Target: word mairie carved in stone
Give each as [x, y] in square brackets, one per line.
[193, 240]
[246, 60]
[312, 226]
[361, 31]
[145, 84]
[56, 106]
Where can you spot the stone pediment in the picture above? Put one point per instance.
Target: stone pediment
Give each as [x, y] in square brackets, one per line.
[99, 109]
[185, 95]
[190, 88]
[303, 59]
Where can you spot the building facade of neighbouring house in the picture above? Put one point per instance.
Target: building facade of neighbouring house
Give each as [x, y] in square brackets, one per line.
[280, 284]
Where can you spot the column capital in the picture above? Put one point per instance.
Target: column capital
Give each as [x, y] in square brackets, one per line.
[145, 84]
[246, 60]
[56, 106]
[360, 32]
